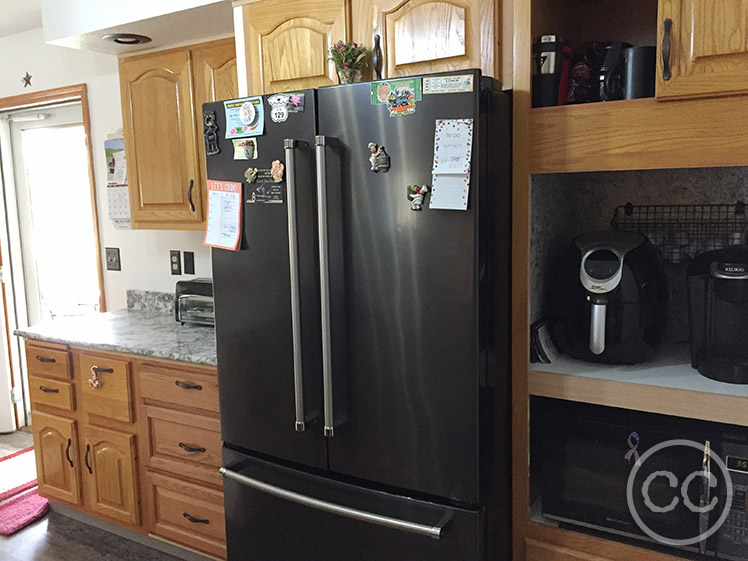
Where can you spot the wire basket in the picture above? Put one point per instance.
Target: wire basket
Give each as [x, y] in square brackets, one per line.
[681, 232]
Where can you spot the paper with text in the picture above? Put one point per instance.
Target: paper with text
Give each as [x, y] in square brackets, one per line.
[224, 222]
[453, 145]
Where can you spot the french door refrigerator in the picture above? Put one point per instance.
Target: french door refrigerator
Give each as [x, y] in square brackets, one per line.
[363, 346]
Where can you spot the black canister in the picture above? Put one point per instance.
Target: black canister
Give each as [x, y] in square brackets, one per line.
[639, 69]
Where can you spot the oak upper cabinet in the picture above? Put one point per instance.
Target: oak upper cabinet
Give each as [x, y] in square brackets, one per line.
[214, 65]
[109, 473]
[160, 140]
[708, 48]
[286, 43]
[422, 36]
[56, 446]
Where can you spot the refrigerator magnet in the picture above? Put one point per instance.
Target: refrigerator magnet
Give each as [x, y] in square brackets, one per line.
[400, 96]
[281, 105]
[245, 148]
[244, 117]
[378, 158]
[416, 195]
[210, 132]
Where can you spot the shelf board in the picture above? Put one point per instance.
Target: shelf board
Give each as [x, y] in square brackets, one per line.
[666, 385]
[639, 134]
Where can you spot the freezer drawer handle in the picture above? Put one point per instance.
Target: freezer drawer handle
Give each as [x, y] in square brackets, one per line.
[293, 260]
[324, 282]
[395, 523]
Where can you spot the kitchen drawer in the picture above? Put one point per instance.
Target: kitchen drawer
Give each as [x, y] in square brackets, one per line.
[112, 399]
[45, 361]
[184, 443]
[188, 514]
[54, 393]
[181, 388]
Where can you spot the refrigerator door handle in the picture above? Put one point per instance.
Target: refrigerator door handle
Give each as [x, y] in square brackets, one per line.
[289, 145]
[434, 531]
[324, 281]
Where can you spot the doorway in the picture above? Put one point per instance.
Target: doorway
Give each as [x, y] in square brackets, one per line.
[50, 241]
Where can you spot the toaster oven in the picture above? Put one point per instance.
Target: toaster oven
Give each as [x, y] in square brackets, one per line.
[193, 301]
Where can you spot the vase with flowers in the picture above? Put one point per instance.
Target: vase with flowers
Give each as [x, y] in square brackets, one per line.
[349, 59]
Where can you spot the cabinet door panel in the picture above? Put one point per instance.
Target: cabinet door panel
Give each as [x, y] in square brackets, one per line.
[287, 43]
[432, 36]
[56, 448]
[709, 48]
[109, 474]
[157, 111]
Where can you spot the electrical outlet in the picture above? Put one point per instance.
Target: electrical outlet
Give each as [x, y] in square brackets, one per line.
[175, 262]
[112, 259]
[189, 262]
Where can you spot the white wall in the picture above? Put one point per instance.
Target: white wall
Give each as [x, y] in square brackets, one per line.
[144, 253]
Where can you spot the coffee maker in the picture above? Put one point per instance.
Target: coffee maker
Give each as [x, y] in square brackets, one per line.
[717, 312]
[612, 303]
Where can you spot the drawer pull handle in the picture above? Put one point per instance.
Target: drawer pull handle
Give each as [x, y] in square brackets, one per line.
[187, 448]
[49, 390]
[94, 381]
[98, 370]
[195, 520]
[185, 386]
[67, 452]
[41, 358]
[88, 451]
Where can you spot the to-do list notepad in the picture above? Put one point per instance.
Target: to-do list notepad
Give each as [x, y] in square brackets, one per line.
[224, 214]
[453, 146]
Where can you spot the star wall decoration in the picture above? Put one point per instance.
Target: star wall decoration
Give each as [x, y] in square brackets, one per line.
[26, 79]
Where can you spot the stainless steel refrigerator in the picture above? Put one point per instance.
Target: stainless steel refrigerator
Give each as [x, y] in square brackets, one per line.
[363, 346]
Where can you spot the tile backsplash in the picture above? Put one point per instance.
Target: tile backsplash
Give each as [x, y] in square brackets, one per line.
[564, 206]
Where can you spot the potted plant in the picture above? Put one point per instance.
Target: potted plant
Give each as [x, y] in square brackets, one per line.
[349, 59]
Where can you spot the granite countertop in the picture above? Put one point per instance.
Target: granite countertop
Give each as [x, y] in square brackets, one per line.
[140, 332]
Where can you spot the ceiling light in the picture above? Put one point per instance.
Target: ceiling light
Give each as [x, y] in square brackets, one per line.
[127, 38]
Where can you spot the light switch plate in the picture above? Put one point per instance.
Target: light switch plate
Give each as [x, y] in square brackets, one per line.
[112, 259]
[189, 262]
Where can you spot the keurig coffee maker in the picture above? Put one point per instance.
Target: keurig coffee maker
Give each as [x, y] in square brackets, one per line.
[613, 299]
[717, 313]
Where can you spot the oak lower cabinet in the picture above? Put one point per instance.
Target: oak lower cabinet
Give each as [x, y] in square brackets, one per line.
[109, 474]
[132, 440]
[181, 451]
[162, 95]
[57, 459]
[703, 48]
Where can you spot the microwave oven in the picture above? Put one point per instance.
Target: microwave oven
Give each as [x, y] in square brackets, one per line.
[587, 456]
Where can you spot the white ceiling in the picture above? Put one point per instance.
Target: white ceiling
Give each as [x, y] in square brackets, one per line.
[17, 16]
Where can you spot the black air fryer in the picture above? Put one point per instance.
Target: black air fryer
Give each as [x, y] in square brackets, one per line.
[717, 312]
[613, 299]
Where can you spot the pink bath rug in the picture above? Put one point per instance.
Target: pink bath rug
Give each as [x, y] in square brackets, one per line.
[20, 511]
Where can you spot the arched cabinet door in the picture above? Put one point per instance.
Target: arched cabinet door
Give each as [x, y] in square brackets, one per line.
[157, 114]
[109, 472]
[287, 42]
[702, 48]
[56, 449]
[423, 36]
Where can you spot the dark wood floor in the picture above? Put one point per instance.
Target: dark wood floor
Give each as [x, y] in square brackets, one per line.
[59, 538]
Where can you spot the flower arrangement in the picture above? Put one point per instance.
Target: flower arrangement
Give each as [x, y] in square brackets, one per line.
[349, 59]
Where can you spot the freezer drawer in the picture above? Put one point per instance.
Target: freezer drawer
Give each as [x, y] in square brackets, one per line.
[275, 513]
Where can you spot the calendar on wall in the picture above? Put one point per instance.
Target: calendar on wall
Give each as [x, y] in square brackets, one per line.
[118, 195]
